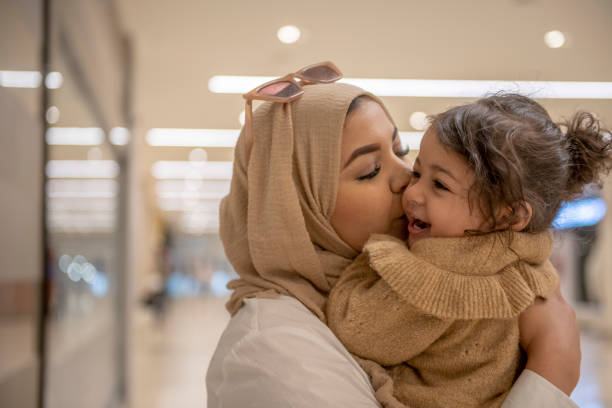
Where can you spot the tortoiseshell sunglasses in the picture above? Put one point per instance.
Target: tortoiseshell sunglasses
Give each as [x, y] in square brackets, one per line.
[287, 88]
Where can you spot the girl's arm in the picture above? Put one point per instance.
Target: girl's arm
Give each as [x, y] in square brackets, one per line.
[550, 335]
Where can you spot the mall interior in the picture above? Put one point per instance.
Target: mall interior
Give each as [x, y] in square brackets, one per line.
[118, 120]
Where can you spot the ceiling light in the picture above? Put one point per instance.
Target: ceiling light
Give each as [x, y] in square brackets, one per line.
[81, 188]
[54, 80]
[74, 136]
[52, 115]
[411, 139]
[119, 136]
[20, 79]
[209, 189]
[418, 120]
[554, 39]
[193, 137]
[198, 155]
[82, 169]
[29, 79]
[443, 88]
[215, 170]
[288, 34]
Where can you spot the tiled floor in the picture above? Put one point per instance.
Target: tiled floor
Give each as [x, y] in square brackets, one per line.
[171, 355]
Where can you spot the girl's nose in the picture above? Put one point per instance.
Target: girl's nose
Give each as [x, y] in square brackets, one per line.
[412, 195]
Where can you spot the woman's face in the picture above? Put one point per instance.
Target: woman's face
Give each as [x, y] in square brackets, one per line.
[373, 175]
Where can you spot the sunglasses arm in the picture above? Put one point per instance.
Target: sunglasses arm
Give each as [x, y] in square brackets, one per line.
[248, 125]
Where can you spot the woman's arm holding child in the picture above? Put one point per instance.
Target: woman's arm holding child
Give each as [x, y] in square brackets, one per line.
[550, 335]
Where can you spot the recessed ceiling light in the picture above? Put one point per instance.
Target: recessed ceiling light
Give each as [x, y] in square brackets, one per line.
[288, 34]
[198, 155]
[418, 120]
[119, 136]
[52, 115]
[54, 80]
[554, 39]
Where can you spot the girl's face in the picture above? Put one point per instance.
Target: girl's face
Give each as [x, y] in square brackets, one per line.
[436, 200]
[373, 175]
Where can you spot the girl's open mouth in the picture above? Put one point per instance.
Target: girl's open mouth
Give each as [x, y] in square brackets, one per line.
[416, 226]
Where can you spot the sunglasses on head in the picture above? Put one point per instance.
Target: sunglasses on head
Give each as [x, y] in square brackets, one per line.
[287, 88]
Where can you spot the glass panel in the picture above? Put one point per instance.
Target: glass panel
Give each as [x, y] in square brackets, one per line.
[82, 197]
[21, 186]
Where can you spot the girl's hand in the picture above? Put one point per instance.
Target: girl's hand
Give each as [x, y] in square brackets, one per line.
[550, 335]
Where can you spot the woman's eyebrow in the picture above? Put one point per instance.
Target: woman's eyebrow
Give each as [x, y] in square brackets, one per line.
[361, 151]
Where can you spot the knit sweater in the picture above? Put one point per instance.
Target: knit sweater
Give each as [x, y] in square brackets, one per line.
[437, 325]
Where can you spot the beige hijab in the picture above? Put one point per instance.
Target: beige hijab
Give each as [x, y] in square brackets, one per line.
[275, 222]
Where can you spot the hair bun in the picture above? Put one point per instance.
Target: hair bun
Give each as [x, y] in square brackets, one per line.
[590, 152]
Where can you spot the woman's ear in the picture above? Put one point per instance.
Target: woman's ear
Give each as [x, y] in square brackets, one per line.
[524, 216]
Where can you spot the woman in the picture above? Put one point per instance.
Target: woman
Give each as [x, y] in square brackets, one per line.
[307, 191]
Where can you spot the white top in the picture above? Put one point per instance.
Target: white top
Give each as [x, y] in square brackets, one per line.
[276, 353]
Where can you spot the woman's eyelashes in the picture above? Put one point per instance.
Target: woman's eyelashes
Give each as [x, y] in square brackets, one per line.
[371, 174]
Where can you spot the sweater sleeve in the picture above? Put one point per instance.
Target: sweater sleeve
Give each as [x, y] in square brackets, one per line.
[374, 322]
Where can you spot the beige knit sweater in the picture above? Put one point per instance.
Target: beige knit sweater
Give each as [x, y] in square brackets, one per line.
[437, 325]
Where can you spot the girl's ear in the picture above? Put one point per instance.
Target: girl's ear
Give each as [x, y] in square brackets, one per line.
[525, 212]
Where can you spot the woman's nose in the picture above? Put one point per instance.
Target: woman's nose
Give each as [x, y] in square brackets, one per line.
[401, 177]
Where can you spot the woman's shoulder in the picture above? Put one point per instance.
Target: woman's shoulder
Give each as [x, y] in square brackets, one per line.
[284, 321]
[277, 349]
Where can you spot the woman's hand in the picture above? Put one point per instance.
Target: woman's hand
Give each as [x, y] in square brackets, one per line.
[550, 335]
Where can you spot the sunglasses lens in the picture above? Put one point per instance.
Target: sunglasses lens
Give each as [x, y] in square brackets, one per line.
[320, 73]
[280, 89]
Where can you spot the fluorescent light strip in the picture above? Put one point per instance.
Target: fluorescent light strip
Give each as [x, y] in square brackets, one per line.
[435, 88]
[177, 189]
[29, 79]
[193, 137]
[104, 169]
[20, 79]
[210, 207]
[411, 139]
[228, 137]
[82, 188]
[74, 136]
[215, 170]
[81, 204]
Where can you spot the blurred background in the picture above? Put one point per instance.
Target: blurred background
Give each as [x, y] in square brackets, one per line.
[117, 126]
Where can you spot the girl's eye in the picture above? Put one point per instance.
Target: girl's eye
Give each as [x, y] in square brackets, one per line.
[370, 175]
[440, 186]
[416, 174]
[403, 152]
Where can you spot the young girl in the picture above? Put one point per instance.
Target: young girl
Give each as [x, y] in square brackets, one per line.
[488, 181]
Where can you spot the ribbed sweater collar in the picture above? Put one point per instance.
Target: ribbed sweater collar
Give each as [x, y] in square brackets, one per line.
[486, 276]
